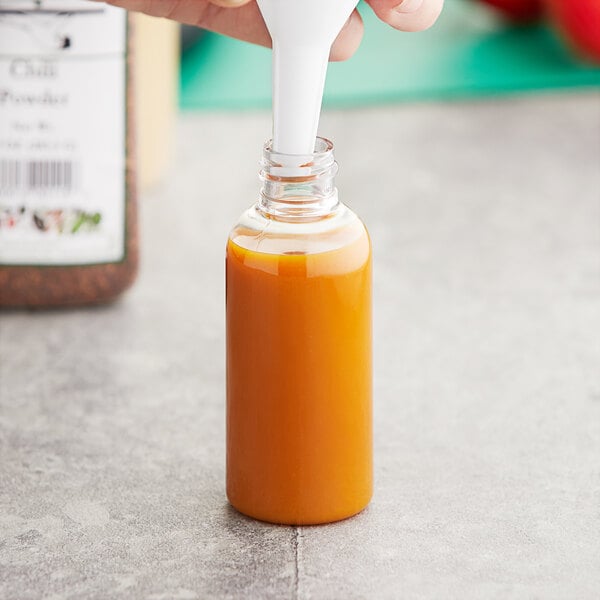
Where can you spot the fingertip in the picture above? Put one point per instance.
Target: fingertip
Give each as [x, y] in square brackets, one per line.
[408, 15]
[349, 38]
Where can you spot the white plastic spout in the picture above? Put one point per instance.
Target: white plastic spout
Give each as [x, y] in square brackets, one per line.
[302, 32]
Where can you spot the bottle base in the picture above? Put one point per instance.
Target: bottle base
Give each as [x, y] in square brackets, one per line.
[281, 518]
[52, 287]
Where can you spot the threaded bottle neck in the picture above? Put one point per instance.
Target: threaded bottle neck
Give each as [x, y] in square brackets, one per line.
[298, 188]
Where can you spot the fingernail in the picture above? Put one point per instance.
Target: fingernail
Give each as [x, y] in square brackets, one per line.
[232, 3]
[409, 6]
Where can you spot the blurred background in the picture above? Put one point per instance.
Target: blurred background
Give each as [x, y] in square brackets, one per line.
[472, 153]
[478, 48]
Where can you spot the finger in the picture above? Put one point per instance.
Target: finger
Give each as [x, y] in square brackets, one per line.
[349, 38]
[408, 15]
[237, 18]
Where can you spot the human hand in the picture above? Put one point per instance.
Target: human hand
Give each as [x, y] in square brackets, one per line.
[241, 19]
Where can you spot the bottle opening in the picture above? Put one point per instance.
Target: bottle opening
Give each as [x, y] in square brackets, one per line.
[298, 186]
[298, 165]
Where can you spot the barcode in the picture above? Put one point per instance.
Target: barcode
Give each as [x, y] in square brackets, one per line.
[36, 175]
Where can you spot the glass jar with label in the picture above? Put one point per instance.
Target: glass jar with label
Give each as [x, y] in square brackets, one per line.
[68, 217]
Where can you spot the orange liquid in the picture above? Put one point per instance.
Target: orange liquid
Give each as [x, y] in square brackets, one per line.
[299, 442]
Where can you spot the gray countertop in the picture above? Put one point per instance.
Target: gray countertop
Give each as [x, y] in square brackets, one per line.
[485, 223]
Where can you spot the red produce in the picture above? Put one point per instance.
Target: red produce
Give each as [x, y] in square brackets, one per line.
[520, 11]
[579, 22]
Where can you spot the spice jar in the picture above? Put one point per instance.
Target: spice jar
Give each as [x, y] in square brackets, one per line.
[68, 216]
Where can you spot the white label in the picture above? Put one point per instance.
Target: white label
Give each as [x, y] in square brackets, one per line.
[62, 132]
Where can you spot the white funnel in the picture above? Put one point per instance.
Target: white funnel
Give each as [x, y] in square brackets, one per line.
[302, 32]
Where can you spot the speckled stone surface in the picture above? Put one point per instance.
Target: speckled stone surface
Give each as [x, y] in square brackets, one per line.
[485, 219]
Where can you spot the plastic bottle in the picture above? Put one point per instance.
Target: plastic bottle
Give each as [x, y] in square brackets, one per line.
[299, 349]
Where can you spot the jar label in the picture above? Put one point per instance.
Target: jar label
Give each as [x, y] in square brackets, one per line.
[63, 124]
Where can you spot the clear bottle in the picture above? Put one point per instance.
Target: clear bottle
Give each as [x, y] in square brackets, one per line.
[299, 441]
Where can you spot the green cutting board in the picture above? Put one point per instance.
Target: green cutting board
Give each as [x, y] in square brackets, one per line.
[469, 52]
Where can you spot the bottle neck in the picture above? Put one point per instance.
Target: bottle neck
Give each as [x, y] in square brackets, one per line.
[298, 188]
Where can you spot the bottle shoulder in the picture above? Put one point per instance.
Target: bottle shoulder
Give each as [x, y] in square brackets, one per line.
[257, 232]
